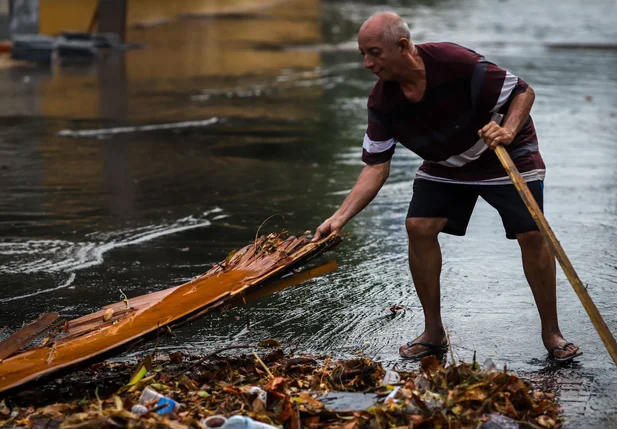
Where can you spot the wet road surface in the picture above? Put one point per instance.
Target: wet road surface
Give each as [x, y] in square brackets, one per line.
[139, 172]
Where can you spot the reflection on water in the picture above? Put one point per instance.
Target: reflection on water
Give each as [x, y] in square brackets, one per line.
[110, 173]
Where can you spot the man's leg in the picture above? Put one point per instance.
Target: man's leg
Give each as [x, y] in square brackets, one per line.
[538, 260]
[539, 267]
[425, 265]
[435, 207]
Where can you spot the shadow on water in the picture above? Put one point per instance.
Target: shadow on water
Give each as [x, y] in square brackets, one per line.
[139, 171]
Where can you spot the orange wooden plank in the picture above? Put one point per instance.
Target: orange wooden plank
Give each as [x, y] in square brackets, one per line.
[26, 334]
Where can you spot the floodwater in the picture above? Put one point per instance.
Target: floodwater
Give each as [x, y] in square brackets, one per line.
[138, 172]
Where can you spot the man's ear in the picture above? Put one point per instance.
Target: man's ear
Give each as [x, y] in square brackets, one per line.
[404, 45]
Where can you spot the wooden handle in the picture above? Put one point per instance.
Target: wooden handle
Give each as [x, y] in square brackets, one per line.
[549, 235]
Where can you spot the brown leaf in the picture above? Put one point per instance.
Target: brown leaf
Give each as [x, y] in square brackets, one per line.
[430, 364]
[475, 394]
[419, 402]
[301, 361]
[90, 424]
[57, 410]
[352, 424]
[308, 399]
[269, 343]
[509, 409]
[175, 357]
[285, 413]
[277, 384]
[516, 385]
[416, 419]
[188, 383]
[258, 406]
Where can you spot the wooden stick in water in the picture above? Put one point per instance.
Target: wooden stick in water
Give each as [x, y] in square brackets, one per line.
[596, 318]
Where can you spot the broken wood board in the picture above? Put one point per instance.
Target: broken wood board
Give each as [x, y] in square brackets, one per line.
[25, 335]
[266, 259]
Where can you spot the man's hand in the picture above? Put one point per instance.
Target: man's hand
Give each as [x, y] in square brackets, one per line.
[494, 135]
[329, 226]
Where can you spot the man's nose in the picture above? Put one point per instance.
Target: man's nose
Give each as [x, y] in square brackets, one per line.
[368, 63]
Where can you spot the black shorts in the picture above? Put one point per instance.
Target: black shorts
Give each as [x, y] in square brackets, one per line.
[455, 202]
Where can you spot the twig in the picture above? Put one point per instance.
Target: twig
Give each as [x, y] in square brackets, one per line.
[325, 368]
[450, 347]
[298, 419]
[214, 353]
[96, 393]
[159, 407]
[377, 352]
[124, 298]
[262, 224]
[263, 364]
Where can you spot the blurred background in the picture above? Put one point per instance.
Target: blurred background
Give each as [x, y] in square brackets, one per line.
[142, 140]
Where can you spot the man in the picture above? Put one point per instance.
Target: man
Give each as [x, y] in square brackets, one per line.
[451, 107]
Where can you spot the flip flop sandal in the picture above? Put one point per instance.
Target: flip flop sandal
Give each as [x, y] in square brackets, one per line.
[564, 359]
[431, 350]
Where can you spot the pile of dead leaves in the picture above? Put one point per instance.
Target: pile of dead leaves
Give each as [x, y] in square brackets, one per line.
[453, 396]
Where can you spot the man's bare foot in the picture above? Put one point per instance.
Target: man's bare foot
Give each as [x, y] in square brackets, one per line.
[559, 349]
[428, 343]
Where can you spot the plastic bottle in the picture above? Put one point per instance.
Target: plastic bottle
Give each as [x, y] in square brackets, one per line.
[243, 422]
[162, 404]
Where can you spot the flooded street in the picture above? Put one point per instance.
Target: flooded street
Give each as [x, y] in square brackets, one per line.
[139, 172]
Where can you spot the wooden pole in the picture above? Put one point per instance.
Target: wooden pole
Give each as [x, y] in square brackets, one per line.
[549, 235]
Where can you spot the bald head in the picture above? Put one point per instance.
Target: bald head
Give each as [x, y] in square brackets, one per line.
[386, 25]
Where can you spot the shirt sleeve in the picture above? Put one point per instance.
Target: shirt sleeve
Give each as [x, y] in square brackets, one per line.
[493, 86]
[378, 145]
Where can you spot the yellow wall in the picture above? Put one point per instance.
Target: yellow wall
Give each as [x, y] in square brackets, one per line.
[58, 15]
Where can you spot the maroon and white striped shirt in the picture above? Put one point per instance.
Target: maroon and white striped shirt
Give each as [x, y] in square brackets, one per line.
[464, 92]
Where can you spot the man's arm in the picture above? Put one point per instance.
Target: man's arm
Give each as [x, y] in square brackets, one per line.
[515, 118]
[367, 186]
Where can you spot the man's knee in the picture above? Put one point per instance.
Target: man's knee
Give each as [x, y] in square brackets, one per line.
[533, 240]
[420, 228]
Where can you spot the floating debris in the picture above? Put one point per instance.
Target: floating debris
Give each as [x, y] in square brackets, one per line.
[293, 392]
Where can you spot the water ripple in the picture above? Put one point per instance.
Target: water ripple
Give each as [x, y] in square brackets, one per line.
[53, 256]
[138, 128]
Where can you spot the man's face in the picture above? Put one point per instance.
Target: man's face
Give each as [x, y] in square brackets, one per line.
[380, 58]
